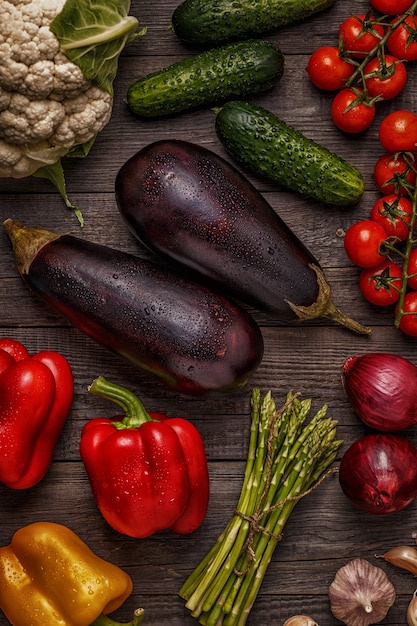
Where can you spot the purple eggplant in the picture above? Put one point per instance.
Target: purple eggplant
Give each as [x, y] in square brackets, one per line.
[194, 340]
[191, 207]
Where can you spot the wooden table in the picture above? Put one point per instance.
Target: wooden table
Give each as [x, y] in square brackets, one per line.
[325, 531]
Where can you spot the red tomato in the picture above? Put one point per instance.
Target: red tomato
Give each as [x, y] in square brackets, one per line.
[349, 111]
[408, 321]
[398, 131]
[385, 77]
[363, 243]
[394, 214]
[393, 174]
[402, 43]
[381, 285]
[359, 34]
[327, 70]
[391, 7]
[412, 269]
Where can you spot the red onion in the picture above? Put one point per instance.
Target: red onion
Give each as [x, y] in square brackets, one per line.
[382, 389]
[378, 473]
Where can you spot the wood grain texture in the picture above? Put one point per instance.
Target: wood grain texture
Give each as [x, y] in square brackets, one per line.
[324, 531]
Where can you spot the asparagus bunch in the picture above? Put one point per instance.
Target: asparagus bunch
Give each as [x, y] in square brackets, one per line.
[287, 458]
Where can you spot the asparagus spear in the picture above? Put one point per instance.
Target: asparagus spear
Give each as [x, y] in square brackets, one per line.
[287, 458]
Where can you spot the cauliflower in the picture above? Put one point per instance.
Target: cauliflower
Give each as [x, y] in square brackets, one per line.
[56, 79]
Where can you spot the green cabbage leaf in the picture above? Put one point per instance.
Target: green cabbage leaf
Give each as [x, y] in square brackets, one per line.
[93, 33]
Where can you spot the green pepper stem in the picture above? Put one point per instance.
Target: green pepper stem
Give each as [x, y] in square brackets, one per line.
[135, 413]
[103, 620]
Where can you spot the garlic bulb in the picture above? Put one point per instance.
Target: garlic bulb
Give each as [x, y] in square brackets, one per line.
[412, 611]
[360, 594]
[300, 620]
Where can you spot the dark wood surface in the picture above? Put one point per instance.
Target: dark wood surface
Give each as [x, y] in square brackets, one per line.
[325, 531]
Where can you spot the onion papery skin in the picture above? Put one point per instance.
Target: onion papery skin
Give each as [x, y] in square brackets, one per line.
[378, 473]
[382, 389]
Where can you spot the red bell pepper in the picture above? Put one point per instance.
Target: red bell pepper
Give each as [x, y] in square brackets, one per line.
[147, 472]
[36, 394]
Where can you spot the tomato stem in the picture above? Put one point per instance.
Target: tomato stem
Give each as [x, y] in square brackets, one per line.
[410, 242]
[376, 50]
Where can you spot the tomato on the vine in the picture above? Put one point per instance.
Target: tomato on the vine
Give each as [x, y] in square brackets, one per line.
[412, 269]
[408, 321]
[381, 285]
[350, 112]
[360, 34]
[398, 131]
[394, 214]
[393, 174]
[328, 70]
[385, 77]
[402, 42]
[391, 7]
[363, 243]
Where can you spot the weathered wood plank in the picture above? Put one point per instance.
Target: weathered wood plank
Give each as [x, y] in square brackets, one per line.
[324, 531]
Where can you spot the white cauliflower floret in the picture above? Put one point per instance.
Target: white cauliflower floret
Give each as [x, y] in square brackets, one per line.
[84, 117]
[50, 8]
[5, 98]
[12, 72]
[39, 81]
[13, 158]
[46, 104]
[68, 79]
[28, 121]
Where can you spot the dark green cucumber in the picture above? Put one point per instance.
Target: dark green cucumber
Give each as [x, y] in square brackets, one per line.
[233, 71]
[269, 147]
[208, 23]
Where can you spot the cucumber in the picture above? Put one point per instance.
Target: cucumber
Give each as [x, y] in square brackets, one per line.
[267, 146]
[232, 71]
[206, 23]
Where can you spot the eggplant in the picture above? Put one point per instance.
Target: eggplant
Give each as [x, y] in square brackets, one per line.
[192, 339]
[191, 207]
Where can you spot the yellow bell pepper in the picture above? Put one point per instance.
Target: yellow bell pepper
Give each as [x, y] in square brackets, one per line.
[50, 577]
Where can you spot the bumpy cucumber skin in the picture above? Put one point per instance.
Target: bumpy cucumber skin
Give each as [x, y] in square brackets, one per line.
[207, 23]
[267, 146]
[233, 71]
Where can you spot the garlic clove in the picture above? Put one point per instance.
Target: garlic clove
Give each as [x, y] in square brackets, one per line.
[360, 594]
[412, 611]
[402, 556]
[300, 620]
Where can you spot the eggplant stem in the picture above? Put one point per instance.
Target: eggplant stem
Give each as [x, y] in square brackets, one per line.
[340, 318]
[324, 307]
[26, 243]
